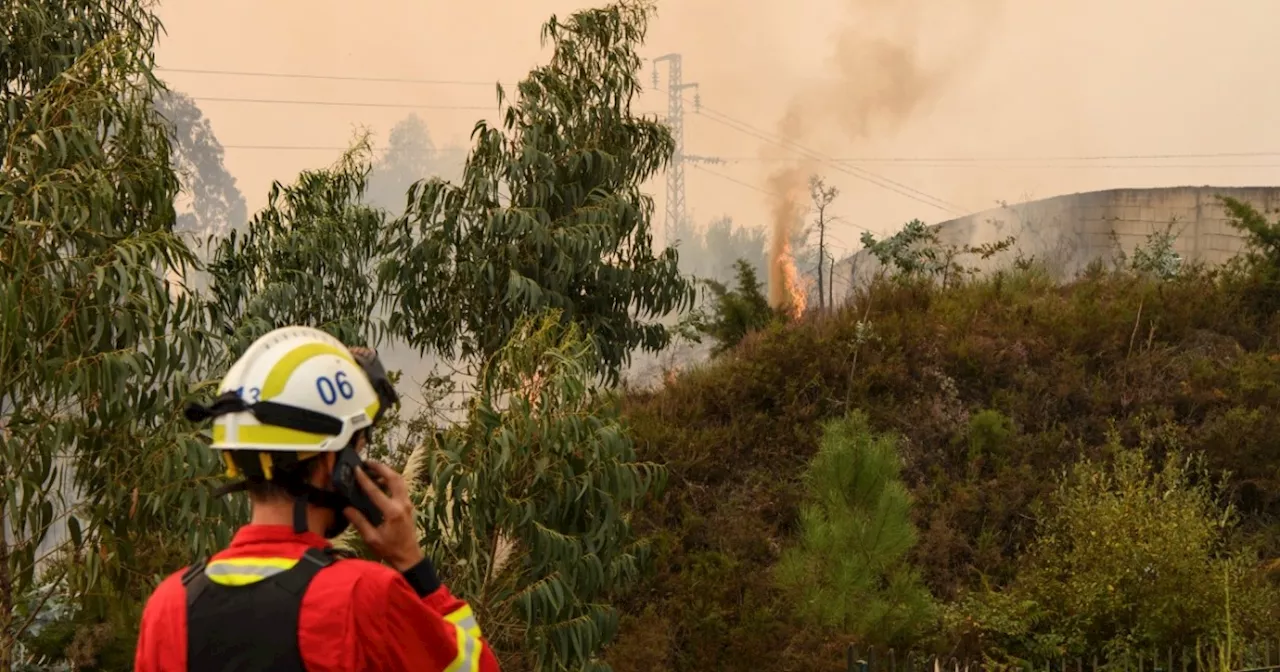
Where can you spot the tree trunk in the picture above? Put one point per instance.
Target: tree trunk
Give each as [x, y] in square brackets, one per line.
[831, 283]
[822, 256]
[7, 641]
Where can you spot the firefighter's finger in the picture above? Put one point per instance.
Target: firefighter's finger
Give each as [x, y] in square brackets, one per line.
[367, 531]
[394, 481]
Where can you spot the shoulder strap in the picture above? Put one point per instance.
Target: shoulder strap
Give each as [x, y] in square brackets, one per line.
[296, 580]
[195, 581]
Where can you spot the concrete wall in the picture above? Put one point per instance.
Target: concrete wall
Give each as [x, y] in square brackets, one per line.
[1069, 232]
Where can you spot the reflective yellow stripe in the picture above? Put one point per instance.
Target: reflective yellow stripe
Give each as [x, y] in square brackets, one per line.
[245, 571]
[278, 563]
[464, 621]
[268, 435]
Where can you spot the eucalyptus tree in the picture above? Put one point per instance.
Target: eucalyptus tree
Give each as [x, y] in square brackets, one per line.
[573, 233]
[411, 155]
[217, 206]
[528, 496]
[95, 346]
[308, 258]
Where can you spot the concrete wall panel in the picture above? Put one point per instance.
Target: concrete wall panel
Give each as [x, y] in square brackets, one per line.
[1069, 232]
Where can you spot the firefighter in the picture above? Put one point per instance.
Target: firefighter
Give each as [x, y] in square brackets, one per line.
[292, 415]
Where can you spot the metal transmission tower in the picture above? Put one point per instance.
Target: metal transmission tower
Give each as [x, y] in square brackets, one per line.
[675, 119]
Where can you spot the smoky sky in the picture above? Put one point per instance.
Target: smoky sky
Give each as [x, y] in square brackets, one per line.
[969, 102]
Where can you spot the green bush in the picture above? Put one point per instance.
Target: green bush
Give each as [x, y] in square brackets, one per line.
[849, 571]
[735, 312]
[1128, 558]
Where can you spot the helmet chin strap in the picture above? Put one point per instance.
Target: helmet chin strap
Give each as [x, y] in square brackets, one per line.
[310, 494]
[301, 523]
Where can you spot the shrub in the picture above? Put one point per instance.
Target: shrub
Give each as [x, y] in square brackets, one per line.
[916, 252]
[736, 312]
[1261, 259]
[1156, 257]
[849, 571]
[1128, 558]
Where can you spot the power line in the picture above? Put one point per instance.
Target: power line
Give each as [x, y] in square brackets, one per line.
[338, 103]
[763, 191]
[869, 159]
[862, 174]
[735, 180]
[907, 162]
[346, 103]
[352, 78]
[286, 147]
[956, 159]
[1089, 166]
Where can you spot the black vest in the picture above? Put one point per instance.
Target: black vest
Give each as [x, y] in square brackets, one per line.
[251, 628]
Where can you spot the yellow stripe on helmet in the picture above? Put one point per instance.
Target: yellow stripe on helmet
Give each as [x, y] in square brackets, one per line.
[279, 375]
[267, 435]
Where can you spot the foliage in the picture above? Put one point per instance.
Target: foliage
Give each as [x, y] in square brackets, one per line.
[574, 235]
[1261, 258]
[995, 385]
[736, 312]
[1262, 237]
[1156, 257]
[1127, 559]
[849, 570]
[917, 252]
[95, 348]
[308, 258]
[542, 473]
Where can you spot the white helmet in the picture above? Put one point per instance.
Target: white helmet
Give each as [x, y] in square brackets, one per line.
[295, 392]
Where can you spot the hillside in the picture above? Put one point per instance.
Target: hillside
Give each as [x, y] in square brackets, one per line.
[996, 387]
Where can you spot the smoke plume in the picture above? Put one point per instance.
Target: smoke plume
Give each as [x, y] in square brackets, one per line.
[880, 76]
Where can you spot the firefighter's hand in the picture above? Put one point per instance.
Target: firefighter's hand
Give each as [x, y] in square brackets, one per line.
[396, 539]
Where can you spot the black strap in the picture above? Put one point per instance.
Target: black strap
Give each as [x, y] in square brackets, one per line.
[228, 488]
[296, 580]
[371, 364]
[268, 413]
[195, 581]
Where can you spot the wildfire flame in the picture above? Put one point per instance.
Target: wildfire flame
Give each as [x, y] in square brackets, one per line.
[786, 294]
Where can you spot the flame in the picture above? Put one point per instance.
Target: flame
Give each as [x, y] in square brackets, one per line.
[793, 294]
[786, 294]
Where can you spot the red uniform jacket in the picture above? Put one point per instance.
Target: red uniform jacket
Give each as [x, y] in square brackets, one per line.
[356, 615]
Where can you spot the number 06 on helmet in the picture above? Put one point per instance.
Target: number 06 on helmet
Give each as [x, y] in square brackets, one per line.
[295, 390]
